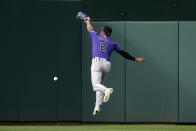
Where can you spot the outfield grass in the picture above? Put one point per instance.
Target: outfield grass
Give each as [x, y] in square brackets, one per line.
[100, 128]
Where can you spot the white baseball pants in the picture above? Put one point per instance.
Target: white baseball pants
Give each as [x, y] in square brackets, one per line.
[99, 71]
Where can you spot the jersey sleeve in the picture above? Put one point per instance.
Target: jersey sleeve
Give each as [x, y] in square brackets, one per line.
[117, 47]
[93, 34]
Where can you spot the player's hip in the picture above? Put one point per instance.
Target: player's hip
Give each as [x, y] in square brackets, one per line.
[100, 64]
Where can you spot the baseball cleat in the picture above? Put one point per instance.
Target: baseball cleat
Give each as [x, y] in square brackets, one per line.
[96, 110]
[107, 95]
[95, 113]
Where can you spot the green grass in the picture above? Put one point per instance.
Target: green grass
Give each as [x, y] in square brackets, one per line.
[100, 128]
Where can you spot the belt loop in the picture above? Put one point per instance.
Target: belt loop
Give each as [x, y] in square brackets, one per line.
[99, 59]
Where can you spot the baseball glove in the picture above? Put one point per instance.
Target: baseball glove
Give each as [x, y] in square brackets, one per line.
[82, 16]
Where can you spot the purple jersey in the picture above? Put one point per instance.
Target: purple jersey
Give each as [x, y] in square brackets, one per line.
[103, 46]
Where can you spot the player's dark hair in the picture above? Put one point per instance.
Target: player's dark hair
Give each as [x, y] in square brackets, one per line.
[107, 30]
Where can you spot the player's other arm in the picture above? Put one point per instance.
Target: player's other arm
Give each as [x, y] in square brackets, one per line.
[130, 57]
[88, 25]
[126, 54]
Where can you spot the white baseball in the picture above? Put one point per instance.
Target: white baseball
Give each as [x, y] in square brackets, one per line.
[55, 78]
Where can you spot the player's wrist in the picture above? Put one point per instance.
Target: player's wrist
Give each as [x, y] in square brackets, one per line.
[87, 20]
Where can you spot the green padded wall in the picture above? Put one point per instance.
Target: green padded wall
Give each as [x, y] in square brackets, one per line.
[40, 63]
[187, 71]
[113, 111]
[10, 59]
[152, 86]
[70, 87]
[140, 10]
[40, 40]
[50, 50]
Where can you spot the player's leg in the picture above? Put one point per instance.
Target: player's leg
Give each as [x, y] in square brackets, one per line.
[99, 94]
[104, 77]
[99, 101]
[99, 89]
[96, 77]
[106, 69]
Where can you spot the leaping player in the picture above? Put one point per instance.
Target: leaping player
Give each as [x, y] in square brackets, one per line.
[103, 46]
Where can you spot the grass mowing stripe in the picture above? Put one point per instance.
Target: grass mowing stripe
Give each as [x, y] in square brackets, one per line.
[99, 128]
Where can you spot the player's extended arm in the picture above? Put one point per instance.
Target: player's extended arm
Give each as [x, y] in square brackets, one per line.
[128, 56]
[88, 25]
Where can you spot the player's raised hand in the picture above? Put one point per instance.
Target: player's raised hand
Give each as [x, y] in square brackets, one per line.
[88, 20]
[139, 59]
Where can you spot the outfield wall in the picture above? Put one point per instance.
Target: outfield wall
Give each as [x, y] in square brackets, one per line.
[43, 39]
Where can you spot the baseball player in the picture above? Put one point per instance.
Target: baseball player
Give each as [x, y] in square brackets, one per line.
[103, 46]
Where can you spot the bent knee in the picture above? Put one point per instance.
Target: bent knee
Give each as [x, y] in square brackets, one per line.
[95, 86]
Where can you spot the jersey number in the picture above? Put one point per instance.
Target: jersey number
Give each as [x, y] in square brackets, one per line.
[103, 46]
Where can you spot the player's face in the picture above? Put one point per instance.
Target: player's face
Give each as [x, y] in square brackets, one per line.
[102, 33]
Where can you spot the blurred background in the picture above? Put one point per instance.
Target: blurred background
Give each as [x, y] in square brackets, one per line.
[41, 39]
